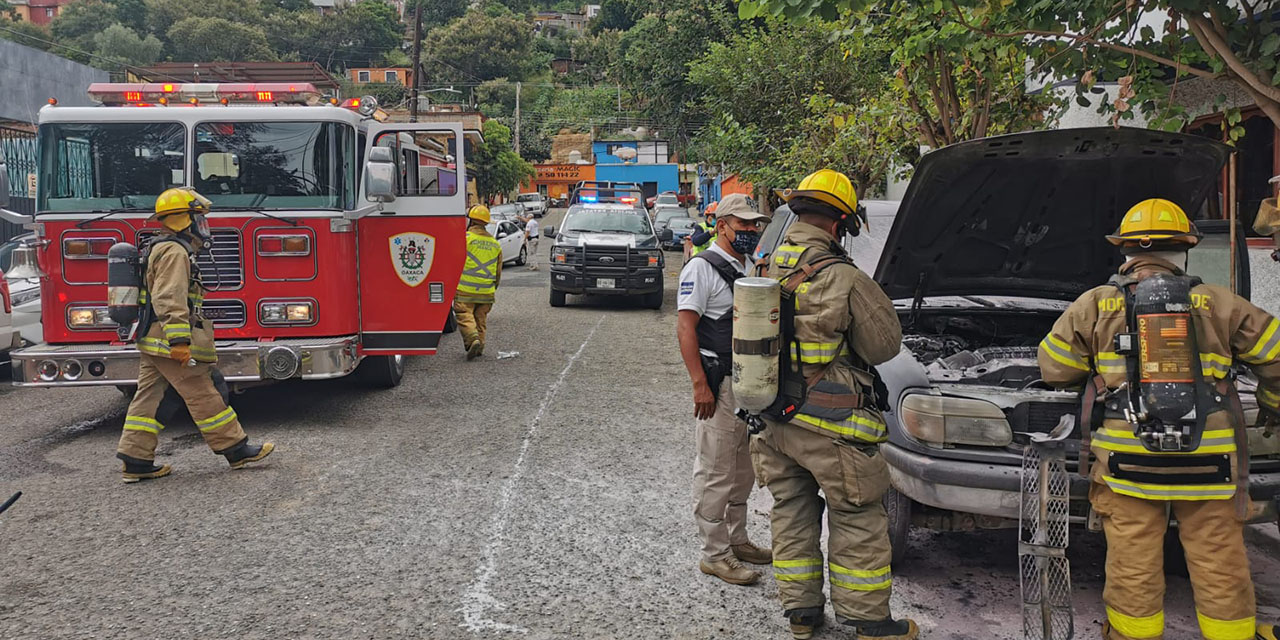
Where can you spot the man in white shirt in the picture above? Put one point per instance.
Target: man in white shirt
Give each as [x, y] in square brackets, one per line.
[531, 236]
[723, 475]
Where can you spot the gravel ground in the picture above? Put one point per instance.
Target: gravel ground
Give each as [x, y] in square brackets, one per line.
[545, 496]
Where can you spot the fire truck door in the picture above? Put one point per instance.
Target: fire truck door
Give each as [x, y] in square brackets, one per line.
[411, 250]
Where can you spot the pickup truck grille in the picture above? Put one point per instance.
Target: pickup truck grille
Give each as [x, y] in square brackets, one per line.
[1042, 417]
[226, 249]
[225, 314]
[609, 260]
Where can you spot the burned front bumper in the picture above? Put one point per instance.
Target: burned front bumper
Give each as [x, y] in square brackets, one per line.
[238, 360]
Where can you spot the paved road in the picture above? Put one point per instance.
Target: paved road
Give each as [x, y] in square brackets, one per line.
[545, 496]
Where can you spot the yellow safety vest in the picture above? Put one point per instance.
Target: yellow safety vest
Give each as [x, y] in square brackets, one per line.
[709, 228]
[480, 273]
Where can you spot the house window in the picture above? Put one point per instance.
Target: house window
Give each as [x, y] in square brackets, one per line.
[390, 76]
[362, 76]
[49, 12]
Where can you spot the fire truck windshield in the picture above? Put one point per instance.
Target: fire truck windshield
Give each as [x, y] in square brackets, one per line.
[109, 166]
[276, 165]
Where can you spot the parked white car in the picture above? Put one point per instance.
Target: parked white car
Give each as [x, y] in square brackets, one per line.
[24, 296]
[534, 203]
[510, 236]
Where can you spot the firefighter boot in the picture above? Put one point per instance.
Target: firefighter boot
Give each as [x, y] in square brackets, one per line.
[805, 621]
[137, 469]
[243, 453]
[475, 350]
[748, 552]
[1266, 632]
[887, 629]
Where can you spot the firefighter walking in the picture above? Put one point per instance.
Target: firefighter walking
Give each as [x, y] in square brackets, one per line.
[843, 324]
[1155, 348]
[479, 282]
[176, 345]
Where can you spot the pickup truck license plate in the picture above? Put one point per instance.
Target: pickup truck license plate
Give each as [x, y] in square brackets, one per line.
[604, 283]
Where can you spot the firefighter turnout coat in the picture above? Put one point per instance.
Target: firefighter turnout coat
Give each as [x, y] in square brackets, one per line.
[175, 297]
[483, 269]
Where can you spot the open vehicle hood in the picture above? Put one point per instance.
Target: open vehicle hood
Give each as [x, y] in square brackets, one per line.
[1026, 214]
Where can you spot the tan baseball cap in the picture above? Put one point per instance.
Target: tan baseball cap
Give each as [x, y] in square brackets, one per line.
[739, 206]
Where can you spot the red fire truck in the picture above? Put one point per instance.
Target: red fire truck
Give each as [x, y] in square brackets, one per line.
[338, 237]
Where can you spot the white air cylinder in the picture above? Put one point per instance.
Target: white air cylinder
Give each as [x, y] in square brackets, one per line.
[755, 342]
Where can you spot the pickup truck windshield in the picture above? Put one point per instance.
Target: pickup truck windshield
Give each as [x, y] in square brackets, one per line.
[605, 221]
[109, 166]
[276, 165]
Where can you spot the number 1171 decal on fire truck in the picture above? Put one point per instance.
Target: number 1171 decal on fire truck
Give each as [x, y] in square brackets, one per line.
[338, 239]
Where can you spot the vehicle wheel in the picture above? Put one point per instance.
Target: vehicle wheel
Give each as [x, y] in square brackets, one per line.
[1175, 559]
[557, 298]
[383, 372]
[898, 507]
[524, 256]
[450, 323]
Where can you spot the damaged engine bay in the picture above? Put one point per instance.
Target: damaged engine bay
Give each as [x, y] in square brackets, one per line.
[985, 348]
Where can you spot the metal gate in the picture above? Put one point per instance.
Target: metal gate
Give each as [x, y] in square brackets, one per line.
[18, 153]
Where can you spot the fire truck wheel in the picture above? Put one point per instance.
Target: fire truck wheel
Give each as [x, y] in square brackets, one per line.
[524, 257]
[383, 372]
[557, 298]
[898, 508]
[450, 323]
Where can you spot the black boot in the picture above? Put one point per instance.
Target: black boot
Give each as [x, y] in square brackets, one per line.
[243, 453]
[887, 629]
[137, 469]
[804, 621]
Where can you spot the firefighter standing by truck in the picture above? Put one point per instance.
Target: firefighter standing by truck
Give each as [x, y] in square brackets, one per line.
[176, 345]
[1154, 349]
[479, 282]
[829, 440]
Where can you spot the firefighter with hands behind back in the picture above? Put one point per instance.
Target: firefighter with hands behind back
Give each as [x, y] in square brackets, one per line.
[1154, 350]
[175, 344]
[823, 432]
[479, 282]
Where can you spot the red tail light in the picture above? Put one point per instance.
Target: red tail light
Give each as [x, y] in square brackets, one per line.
[4, 293]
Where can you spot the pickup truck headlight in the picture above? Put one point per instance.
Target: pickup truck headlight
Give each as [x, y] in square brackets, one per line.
[938, 421]
[561, 255]
[654, 256]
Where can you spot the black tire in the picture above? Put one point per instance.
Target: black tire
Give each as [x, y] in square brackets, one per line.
[450, 323]
[898, 507]
[382, 372]
[524, 256]
[653, 300]
[1175, 559]
[557, 298]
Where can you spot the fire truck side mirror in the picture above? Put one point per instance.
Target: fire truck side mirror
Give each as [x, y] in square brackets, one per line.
[380, 175]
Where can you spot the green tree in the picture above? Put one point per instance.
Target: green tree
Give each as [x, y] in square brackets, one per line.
[77, 24]
[132, 14]
[217, 39]
[617, 15]
[481, 47]
[441, 12]
[297, 35]
[497, 168]
[27, 33]
[361, 33]
[162, 15]
[120, 43]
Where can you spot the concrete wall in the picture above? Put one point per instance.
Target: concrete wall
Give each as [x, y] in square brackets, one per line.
[29, 77]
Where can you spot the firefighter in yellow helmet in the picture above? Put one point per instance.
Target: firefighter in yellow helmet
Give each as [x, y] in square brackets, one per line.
[1149, 465]
[480, 276]
[829, 442]
[175, 345]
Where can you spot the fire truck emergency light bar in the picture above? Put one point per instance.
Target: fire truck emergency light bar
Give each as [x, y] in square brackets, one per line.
[150, 93]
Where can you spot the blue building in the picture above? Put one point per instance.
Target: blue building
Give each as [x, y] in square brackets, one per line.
[641, 151]
[652, 178]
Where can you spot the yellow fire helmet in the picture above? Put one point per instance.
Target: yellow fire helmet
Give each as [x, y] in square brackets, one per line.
[829, 186]
[175, 206]
[1155, 221]
[479, 213]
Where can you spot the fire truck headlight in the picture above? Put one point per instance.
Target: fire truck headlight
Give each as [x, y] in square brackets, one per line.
[286, 313]
[89, 318]
[298, 312]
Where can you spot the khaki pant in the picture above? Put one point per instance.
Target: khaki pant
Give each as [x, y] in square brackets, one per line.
[722, 479]
[795, 464]
[216, 421]
[531, 252]
[1213, 540]
[472, 317]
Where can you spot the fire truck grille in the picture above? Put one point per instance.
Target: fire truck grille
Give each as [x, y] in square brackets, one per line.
[225, 314]
[228, 273]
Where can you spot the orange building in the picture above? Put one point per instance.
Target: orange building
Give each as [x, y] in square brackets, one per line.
[734, 184]
[558, 180]
[365, 75]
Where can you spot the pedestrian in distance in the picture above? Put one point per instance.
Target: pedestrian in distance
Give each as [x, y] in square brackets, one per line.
[722, 475]
[176, 345]
[479, 282]
[828, 440]
[531, 230]
[1193, 469]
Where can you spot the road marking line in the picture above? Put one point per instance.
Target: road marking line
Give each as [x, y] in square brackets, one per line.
[477, 599]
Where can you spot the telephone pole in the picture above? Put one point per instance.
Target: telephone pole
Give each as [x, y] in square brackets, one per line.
[517, 118]
[416, 76]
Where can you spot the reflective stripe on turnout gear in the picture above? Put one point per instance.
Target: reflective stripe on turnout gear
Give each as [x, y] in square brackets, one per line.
[1060, 351]
[142, 423]
[1213, 365]
[1211, 441]
[798, 570]
[160, 348]
[1268, 399]
[819, 352]
[1148, 491]
[1137, 627]
[1267, 347]
[177, 331]
[1214, 629]
[788, 256]
[223, 418]
[1109, 362]
[860, 580]
[856, 426]
[479, 274]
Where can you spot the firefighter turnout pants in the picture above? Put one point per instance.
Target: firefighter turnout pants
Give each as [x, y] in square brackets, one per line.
[722, 479]
[216, 421]
[795, 464]
[1213, 541]
[472, 319]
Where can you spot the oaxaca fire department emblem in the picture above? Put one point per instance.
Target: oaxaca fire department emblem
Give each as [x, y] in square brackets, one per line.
[411, 255]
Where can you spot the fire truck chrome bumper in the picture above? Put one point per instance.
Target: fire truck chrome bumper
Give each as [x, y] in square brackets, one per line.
[239, 361]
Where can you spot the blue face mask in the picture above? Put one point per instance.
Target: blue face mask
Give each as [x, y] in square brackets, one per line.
[744, 242]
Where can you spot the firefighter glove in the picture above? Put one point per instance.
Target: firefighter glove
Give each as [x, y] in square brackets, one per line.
[180, 352]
